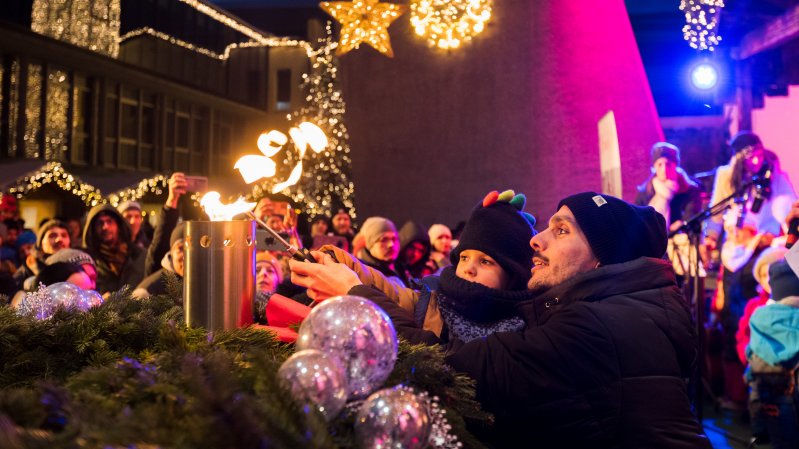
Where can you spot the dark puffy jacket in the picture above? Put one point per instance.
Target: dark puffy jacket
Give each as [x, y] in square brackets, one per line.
[602, 363]
[132, 271]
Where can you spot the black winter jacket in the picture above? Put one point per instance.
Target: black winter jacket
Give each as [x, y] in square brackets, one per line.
[132, 271]
[602, 363]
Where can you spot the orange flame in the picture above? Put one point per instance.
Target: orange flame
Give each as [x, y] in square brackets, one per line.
[217, 211]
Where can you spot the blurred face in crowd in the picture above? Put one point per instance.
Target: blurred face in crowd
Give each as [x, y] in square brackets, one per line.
[82, 280]
[91, 273]
[560, 252]
[75, 230]
[477, 266]
[318, 227]
[413, 253]
[665, 169]
[264, 208]
[56, 238]
[276, 223]
[754, 158]
[134, 218]
[25, 250]
[342, 223]
[443, 243]
[177, 253]
[267, 276]
[107, 228]
[386, 248]
[11, 236]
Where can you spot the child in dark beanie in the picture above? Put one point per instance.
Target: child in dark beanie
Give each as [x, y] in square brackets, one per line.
[476, 296]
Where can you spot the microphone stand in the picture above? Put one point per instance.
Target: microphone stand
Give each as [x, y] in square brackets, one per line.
[695, 284]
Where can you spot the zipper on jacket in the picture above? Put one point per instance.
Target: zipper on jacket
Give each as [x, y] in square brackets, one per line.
[551, 302]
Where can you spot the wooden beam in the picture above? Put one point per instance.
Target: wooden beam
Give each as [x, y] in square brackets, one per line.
[773, 34]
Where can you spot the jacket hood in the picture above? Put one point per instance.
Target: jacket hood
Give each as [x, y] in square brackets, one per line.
[412, 232]
[90, 239]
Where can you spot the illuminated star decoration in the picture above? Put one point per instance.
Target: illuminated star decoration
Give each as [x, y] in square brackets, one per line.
[364, 21]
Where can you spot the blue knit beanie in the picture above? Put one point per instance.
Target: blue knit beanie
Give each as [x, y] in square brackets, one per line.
[783, 280]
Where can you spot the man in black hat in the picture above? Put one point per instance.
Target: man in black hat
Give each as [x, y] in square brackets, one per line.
[607, 346]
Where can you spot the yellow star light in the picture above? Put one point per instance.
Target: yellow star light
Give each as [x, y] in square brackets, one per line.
[364, 21]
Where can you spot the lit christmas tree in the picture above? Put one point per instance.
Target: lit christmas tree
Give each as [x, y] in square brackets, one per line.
[325, 181]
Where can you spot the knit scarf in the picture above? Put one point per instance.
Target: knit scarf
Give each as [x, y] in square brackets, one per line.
[472, 310]
[114, 256]
[664, 192]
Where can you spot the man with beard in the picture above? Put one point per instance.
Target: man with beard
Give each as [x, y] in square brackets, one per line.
[52, 237]
[107, 238]
[607, 346]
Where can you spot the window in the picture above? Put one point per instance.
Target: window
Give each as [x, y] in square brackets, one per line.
[283, 95]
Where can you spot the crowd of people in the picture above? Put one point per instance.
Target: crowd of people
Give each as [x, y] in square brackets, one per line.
[576, 335]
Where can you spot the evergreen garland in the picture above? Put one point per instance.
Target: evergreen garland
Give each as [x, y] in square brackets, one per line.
[129, 374]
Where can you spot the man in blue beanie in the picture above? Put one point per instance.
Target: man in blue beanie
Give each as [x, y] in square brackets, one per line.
[608, 342]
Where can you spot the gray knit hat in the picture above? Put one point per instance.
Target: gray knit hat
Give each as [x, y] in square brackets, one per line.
[373, 227]
[70, 255]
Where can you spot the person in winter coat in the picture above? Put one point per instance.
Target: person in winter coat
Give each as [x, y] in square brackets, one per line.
[607, 345]
[414, 255]
[476, 295]
[773, 354]
[107, 239]
[380, 247]
[172, 262]
[669, 189]
[52, 237]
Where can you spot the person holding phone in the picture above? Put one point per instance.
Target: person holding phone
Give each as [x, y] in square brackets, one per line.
[168, 218]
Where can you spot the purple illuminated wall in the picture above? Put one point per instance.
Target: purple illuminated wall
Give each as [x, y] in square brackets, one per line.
[432, 132]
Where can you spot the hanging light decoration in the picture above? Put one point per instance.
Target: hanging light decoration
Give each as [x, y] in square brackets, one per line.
[702, 23]
[447, 24]
[364, 21]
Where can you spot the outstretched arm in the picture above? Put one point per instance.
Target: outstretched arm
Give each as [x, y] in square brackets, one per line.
[324, 279]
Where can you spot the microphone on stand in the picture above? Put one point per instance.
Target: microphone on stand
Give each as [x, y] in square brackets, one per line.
[741, 202]
[762, 182]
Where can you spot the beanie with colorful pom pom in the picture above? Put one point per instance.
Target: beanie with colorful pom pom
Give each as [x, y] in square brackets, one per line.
[500, 228]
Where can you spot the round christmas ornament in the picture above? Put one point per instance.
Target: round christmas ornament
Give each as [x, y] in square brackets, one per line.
[316, 380]
[356, 332]
[393, 418]
[65, 293]
[88, 299]
[43, 302]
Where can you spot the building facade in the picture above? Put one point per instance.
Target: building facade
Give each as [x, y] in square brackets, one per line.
[119, 91]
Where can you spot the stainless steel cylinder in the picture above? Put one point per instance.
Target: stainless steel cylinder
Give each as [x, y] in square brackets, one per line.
[219, 284]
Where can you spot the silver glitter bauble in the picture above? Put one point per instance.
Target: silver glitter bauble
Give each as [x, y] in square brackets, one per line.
[359, 334]
[317, 380]
[393, 418]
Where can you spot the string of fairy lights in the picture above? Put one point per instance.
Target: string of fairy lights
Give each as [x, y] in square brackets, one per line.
[447, 24]
[53, 172]
[92, 24]
[702, 22]
[157, 184]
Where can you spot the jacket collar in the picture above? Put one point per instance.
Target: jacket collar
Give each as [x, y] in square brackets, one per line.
[644, 273]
